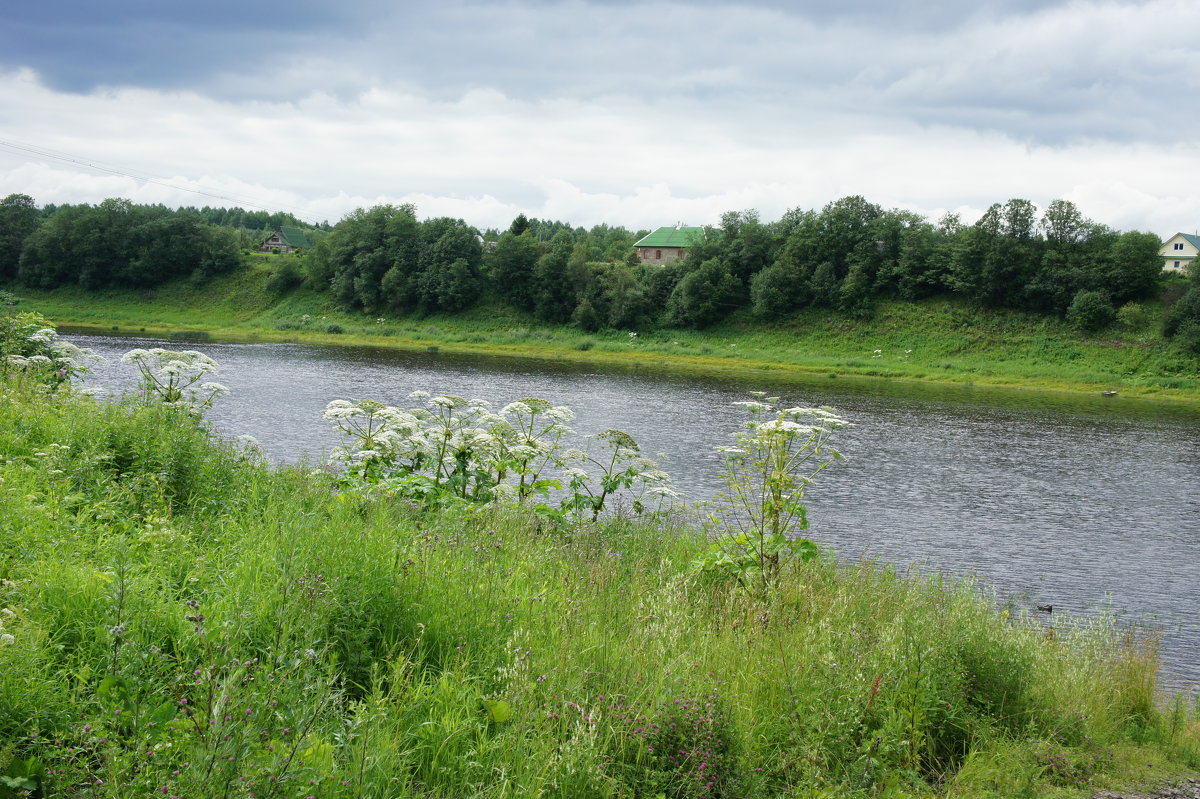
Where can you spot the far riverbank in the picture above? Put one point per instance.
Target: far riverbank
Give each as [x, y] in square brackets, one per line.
[936, 341]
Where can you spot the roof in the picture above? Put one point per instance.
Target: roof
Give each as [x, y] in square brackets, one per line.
[292, 237]
[672, 237]
[1191, 239]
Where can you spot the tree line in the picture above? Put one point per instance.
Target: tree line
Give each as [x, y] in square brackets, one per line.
[118, 243]
[847, 256]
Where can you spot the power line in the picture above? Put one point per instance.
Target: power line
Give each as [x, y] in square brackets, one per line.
[146, 177]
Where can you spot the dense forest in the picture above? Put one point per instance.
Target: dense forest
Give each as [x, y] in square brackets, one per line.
[120, 244]
[848, 256]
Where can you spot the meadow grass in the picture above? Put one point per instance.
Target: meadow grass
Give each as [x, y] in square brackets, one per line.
[184, 620]
[939, 340]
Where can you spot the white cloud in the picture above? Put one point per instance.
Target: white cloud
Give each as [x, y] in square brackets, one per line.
[485, 156]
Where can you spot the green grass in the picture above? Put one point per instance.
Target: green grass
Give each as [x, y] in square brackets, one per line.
[939, 341]
[188, 621]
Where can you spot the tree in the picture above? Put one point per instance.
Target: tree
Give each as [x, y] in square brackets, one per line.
[373, 257]
[704, 295]
[19, 217]
[448, 264]
[554, 295]
[777, 290]
[519, 225]
[1000, 255]
[510, 268]
[1063, 225]
[1132, 267]
[748, 244]
[626, 297]
[452, 287]
[843, 227]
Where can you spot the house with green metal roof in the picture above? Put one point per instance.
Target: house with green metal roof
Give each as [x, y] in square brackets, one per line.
[668, 244]
[285, 239]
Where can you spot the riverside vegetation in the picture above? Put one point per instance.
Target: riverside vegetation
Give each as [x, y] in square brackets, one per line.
[435, 618]
[1046, 299]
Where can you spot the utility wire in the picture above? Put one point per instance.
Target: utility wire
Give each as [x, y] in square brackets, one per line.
[146, 177]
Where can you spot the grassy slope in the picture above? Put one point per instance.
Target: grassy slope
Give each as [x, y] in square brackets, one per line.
[330, 646]
[937, 340]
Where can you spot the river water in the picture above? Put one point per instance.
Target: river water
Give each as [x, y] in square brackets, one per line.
[1085, 503]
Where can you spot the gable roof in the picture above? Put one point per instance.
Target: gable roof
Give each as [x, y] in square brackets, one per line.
[292, 237]
[672, 237]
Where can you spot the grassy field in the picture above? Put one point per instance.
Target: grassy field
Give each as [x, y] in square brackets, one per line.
[937, 340]
[179, 619]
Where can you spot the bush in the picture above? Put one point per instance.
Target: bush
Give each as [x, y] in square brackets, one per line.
[285, 276]
[585, 316]
[1133, 316]
[1183, 320]
[335, 328]
[1091, 311]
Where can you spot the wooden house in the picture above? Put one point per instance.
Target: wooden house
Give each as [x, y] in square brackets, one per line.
[285, 239]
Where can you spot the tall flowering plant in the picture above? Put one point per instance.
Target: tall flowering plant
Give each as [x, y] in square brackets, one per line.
[774, 457]
[176, 378]
[616, 465]
[29, 345]
[455, 447]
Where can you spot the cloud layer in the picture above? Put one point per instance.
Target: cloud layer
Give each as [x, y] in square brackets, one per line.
[627, 112]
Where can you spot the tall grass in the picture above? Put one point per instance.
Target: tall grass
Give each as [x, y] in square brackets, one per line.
[188, 621]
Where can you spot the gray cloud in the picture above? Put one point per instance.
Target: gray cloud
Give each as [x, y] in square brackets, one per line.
[1046, 71]
[613, 111]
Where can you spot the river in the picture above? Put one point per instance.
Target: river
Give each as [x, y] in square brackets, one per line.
[1088, 504]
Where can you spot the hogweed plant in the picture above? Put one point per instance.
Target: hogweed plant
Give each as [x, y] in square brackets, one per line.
[458, 449]
[29, 345]
[174, 378]
[620, 466]
[530, 436]
[774, 457]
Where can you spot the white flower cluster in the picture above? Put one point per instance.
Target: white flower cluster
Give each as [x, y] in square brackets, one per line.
[6, 639]
[775, 456]
[173, 377]
[462, 445]
[40, 349]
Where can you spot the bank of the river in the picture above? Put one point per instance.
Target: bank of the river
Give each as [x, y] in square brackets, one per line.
[934, 341]
[178, 616]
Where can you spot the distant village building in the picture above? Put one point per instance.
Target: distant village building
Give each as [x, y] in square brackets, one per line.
[668, 244]
[1178, 251]
[285, 239]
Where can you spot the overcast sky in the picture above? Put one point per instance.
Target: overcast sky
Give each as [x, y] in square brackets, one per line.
[620, 111]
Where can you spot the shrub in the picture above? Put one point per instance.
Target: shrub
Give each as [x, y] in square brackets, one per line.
[285, 276]
[1183, 320]
[1133, 316]
[1091, 311]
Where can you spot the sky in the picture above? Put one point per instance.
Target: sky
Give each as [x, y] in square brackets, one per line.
[623, 112]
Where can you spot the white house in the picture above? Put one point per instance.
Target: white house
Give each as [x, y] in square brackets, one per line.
[1178, 251]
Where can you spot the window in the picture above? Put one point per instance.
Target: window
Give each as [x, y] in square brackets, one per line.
[1177, 264]
[658, 255]
[1179, 245]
